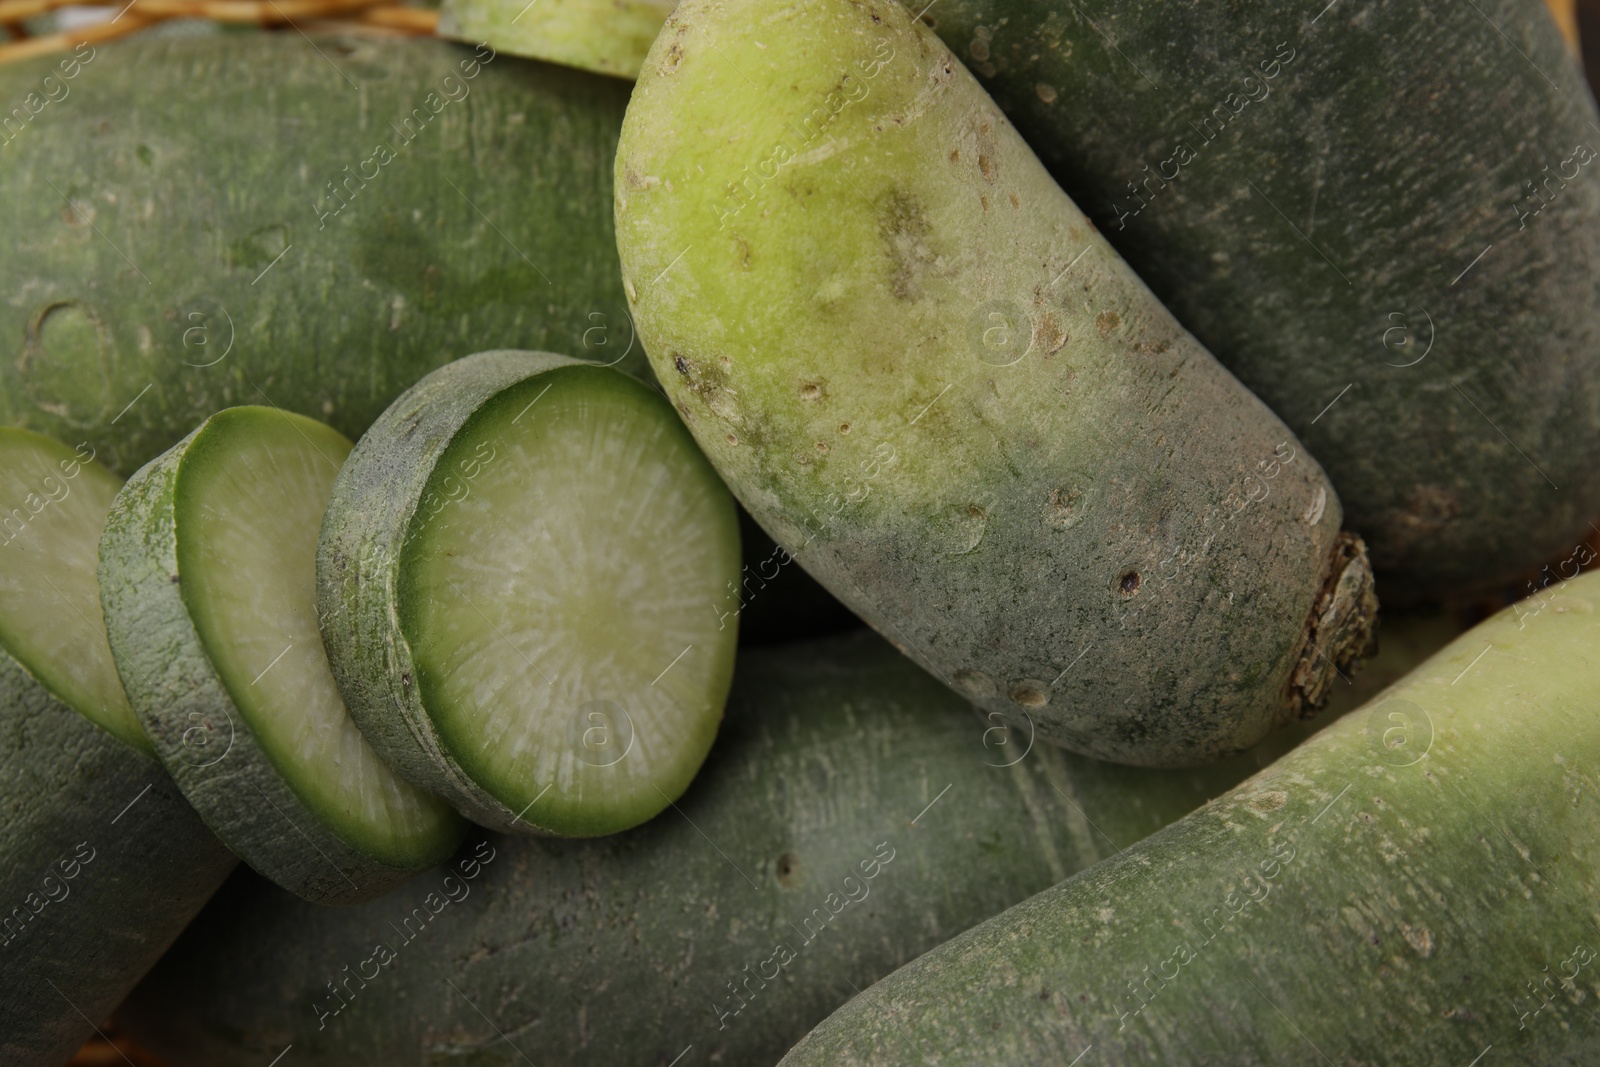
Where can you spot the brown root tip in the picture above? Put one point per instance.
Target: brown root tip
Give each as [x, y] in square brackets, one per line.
[1341, 629]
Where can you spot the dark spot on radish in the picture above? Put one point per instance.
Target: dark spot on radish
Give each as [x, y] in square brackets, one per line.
[1107, 321]
[175, 579]
[681, 364]
[904, 230]
[1271, 800]
[788, 870]
[1030, 693]
[405, 679]
[1050, 335]
[1129, 583]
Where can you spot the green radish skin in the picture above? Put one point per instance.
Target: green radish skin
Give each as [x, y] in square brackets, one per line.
[605, 36]
[158, 297]
[259, 792]
[1403, 142]
[102, 864]
[921, 369]
[1426, 865]
[622, 950]
[511, 714]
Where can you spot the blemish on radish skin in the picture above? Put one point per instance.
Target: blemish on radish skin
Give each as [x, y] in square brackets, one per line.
[1063, 509]
[1262, 803]
[1313, 512]
[1049, 335]
[974, 683]
[1030, 693]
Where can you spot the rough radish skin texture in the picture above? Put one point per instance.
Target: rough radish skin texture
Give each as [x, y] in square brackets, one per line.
[441, 195]
[223, 665]
[835, 756]
[925, 373]
[518, 575]
[102, 863]
[1403, 143]
[1426, 864]
[605, 36]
